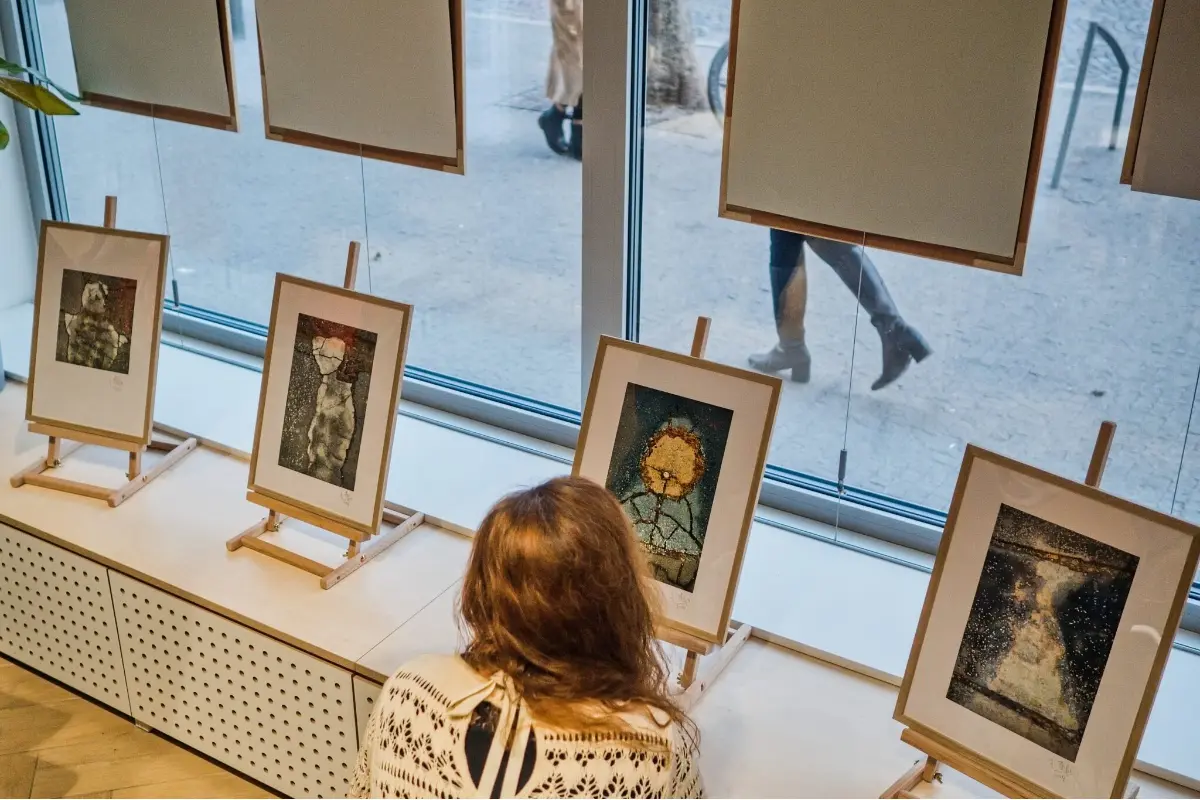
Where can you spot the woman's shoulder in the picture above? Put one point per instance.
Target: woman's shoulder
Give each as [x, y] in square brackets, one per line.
[439, 676]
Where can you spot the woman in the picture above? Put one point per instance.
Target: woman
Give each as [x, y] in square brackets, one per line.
[562, 690]
[564, 81]
[900, 342]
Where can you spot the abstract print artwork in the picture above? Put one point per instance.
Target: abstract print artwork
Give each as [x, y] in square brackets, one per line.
[95, 324]
[1041, 628]
[664, 470]
[327, 400]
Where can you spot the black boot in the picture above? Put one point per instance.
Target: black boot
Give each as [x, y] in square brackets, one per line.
[791, 355]
[551, 123]
[576, 144]
[900, 342]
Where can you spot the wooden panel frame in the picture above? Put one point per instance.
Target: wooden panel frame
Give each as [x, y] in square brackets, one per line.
[1133, 145]
[1012, 265]
[456, 166]
[185, 115]
[159, 290]
[975, 764]
[333, 522]
[606, 342]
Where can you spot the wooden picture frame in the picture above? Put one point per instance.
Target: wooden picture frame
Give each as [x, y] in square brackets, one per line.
[226, 121]
[151, 331]
[357, 530]
[999, 262]
[1131, 174]
[978, 765]
[584, 464]
[455, 165]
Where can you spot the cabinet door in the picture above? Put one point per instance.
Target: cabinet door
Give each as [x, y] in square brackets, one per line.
[272, 712]
[56, 615]
[365, 694]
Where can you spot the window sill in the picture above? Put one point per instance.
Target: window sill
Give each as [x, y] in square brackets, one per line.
[837, 596]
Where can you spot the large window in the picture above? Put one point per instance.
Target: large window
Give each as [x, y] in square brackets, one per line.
[1103, 325]
[491, 260]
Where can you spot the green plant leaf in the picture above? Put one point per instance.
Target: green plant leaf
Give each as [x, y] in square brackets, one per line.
[3, 136]
[36, 97]
[13, 68]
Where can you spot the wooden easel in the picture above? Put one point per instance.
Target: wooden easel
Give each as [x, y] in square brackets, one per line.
[936, 753]
[35, 475]
[692, 683]
[363, 546]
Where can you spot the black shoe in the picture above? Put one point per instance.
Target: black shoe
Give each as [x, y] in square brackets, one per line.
[551, 123]
[780, 357]
[901, 346]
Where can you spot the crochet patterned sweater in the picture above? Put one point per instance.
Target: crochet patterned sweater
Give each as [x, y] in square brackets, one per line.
[424, 740]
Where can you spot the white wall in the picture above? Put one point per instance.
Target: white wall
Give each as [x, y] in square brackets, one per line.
[18, 235]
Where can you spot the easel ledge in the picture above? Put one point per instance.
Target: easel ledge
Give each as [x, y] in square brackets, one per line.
[34, 474]
[938, 752]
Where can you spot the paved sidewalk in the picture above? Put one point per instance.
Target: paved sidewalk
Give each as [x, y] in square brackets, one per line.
[1104, 325]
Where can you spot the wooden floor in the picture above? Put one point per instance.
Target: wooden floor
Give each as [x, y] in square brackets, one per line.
[54, 743]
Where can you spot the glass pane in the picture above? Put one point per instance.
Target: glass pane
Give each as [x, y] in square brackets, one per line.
[490, 260]
[1102, 325]
[695, 263]
[1187, 496]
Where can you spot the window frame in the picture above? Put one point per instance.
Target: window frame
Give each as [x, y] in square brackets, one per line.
[615, 40]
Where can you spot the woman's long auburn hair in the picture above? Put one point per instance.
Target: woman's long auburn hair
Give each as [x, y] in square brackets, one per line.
[555, 596]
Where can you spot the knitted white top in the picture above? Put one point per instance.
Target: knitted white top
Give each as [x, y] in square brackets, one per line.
[416, 744]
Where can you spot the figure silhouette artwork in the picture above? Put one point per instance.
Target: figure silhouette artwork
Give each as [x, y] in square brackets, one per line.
[664, 470]
[327, 400]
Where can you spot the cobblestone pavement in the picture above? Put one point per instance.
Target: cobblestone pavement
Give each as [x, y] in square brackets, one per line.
[1104, 325]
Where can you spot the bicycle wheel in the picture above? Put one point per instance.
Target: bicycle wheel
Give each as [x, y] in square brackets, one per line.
[718, 76]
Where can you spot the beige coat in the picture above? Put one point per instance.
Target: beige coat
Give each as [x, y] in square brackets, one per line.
[564, 79]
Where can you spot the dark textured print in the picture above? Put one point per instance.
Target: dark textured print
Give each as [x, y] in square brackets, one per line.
[1041, 629]
[327, 400]
[95, 321]
[665, 465]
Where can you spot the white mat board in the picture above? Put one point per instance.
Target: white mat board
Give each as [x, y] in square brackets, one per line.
[911, 120]
[1168, 148]
[372, 72]
[150, 51]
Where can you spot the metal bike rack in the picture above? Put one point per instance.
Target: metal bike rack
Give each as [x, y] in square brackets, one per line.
[1084, 62]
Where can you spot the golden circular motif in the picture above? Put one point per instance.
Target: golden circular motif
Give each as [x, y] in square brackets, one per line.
[673, 462]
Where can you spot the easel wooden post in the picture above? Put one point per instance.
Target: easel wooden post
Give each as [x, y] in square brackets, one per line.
[927, 771]
[35, 475]
[362, 547]
[690, 681]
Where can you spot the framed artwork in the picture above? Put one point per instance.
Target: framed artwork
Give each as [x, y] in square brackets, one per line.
[96, 321]
[1162, 155]
[1048, 621]
[886, 125]
[394, 92]
[327, 409]
[681, 442]
[166, 60]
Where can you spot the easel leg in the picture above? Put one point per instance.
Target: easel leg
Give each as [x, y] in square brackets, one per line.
[54, 453]
[687, 676]
[135, 464]
[921, 772]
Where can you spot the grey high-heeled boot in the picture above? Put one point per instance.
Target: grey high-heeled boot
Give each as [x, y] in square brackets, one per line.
[901, 343]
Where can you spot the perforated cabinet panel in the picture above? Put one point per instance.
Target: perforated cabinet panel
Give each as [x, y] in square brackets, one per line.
[365, 695]
[266, 709]
[56, 615]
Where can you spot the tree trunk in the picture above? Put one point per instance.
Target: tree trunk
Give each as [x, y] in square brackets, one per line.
[673, 75]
